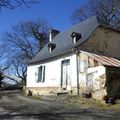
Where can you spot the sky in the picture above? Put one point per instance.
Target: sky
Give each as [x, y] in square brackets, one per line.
[55, 12]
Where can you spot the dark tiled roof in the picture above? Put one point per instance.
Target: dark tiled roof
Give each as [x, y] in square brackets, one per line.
[63, 40]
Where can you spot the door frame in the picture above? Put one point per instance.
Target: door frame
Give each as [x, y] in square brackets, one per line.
[63, 63]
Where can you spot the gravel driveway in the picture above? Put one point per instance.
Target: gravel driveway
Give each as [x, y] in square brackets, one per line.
[14, 106]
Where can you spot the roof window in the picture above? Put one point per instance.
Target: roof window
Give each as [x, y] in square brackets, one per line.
[53, 33]
[51, 47]
[75, 37]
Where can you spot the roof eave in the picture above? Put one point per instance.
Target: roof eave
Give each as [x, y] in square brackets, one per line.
[67, 53]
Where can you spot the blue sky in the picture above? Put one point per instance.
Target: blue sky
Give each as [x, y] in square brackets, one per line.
[56, 12]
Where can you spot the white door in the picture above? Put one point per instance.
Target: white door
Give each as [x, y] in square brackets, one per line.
[65, 73]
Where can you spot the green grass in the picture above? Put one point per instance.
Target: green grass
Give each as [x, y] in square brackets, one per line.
[36, 97]
[0, 96]
[91, 103]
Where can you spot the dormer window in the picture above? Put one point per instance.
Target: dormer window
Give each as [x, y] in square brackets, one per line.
[53, 33]
[75, 37]
[51, 46]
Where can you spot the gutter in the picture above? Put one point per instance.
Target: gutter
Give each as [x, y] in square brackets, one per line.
[77, 52]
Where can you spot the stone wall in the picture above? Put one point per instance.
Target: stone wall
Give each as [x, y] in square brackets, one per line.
[104, 41]
[113, 82]
[42, 90]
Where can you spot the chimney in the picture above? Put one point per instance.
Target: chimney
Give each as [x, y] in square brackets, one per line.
[52, 34]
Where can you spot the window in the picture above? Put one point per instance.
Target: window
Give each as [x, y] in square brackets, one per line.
[75, 37]
[66, 62]
[51, 47]
[92, 62]
[41, 74]
[95, 63]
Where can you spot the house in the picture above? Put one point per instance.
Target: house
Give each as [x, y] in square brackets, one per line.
[83, 59]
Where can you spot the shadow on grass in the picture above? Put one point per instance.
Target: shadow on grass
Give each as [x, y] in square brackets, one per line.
[84, 115]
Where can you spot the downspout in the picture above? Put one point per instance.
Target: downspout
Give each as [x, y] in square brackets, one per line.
[77, 52]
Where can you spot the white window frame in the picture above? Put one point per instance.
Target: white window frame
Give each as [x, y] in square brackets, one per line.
[42, 73]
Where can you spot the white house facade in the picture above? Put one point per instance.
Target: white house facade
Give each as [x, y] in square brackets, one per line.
[56, 76]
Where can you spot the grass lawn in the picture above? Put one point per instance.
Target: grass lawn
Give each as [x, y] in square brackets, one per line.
[77, 100]
[1, 94]
[90, 102]
[36, 97]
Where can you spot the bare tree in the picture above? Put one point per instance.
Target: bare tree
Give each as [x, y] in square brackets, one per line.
[17, 69]
[2, 75]
[23, 43]
[108, 12]
[1, 78]
[28, 37]
[12, 4]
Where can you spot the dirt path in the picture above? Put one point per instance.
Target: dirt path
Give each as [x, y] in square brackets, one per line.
[13, 106]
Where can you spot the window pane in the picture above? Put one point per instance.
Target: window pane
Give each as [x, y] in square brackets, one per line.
[39, 74]
[66, 62]
[43, 73]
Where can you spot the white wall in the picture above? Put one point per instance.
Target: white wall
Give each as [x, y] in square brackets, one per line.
[52, 73]
[97, 72]
[88, 73]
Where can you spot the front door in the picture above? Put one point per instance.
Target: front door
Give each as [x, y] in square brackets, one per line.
[65, 74]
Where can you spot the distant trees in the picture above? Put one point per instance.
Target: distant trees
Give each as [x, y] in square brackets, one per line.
[108, 11]
[12, 4]
[2, 76]
[24, 41]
